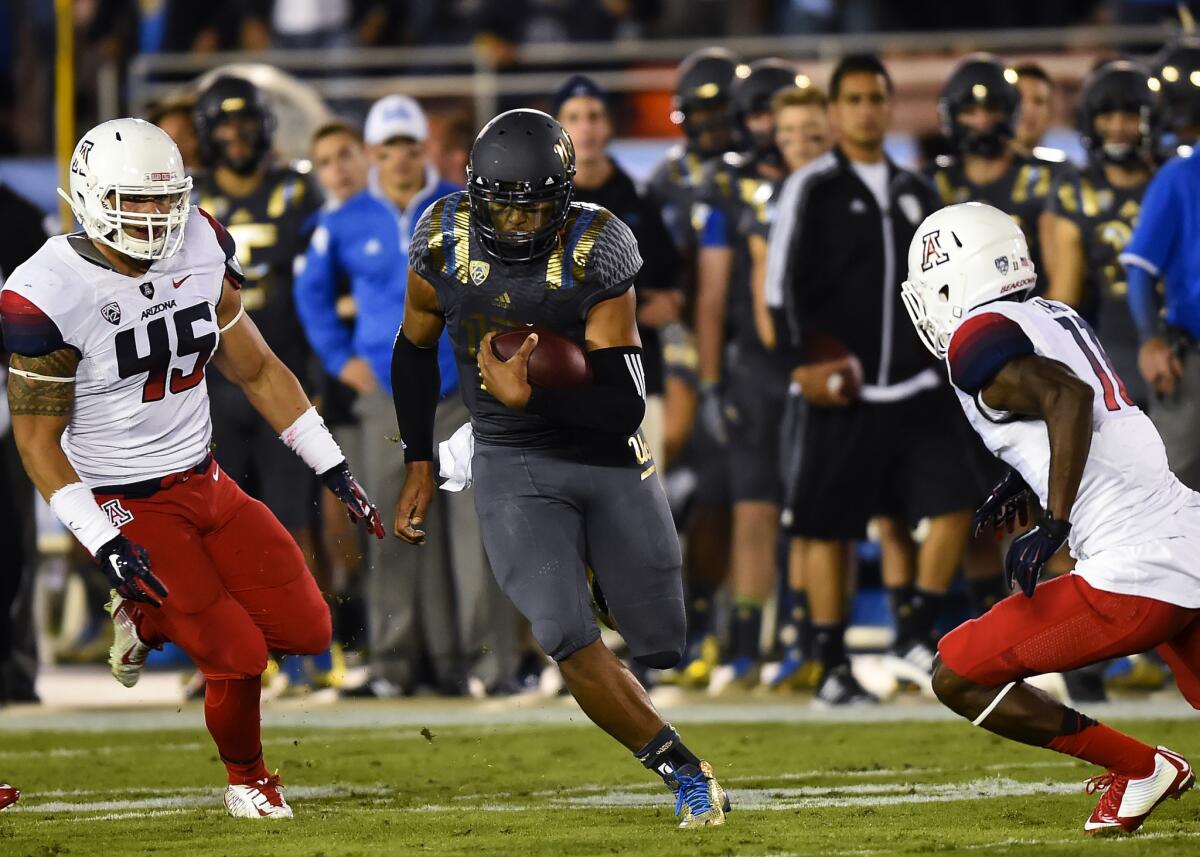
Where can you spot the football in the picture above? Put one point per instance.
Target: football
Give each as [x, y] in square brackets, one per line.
[846, 381]
[556, 361]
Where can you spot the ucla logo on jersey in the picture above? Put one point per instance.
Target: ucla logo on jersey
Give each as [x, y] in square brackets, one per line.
[111, 313]
[479, 272]
[933, 253]
[1002, 265]
[147, 290]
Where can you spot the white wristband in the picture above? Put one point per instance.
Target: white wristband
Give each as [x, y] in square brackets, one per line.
[309, 439]
[75, 506]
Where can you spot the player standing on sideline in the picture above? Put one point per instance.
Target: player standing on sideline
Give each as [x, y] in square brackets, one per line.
[1096, 209]
[110, 333]
[562, 477]
[702, 106]
[749, 383]
[1036, 385]
[802, 134]
[265, 207]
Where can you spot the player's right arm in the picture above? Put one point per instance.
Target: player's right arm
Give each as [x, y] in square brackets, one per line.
[416, 384]
[41, 398]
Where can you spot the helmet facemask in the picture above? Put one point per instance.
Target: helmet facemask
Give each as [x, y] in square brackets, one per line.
[519, 221]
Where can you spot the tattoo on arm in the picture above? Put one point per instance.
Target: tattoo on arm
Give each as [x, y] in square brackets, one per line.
[34, 397]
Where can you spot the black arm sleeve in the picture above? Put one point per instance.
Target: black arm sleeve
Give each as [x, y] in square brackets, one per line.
[615, 402]
[416, 382]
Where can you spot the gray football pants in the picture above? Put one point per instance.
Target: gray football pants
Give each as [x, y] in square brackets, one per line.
[440, 596]
[546, 518]
[1177, 418]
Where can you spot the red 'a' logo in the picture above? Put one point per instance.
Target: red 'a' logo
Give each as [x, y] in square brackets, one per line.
[933, 253]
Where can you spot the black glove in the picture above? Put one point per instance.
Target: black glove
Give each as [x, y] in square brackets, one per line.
[711, 413]
[127, 566]
[1008, 503]
[359, 507]
[1032, 550]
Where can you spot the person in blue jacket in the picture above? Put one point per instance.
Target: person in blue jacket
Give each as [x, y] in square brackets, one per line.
[365, 240]
[1164, 248]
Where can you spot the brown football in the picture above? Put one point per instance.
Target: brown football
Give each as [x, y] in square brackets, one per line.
[556, 361]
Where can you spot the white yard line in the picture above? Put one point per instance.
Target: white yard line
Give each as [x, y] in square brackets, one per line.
[187, 798]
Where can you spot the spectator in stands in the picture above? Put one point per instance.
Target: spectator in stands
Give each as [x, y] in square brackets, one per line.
[24, 233]
[582, 108]
[409, 593]
[216, 25]
[893, 447]
[175, 117]
[452, 148]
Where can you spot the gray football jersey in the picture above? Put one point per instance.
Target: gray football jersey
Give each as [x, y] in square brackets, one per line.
[596, 258]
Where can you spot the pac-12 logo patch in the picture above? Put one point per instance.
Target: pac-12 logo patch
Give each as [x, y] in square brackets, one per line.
[111, 312]
[1002, 265]
[479, 272]
[118, 515]
[933, 253]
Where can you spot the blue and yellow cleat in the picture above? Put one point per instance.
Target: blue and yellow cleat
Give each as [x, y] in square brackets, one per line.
[700, 800]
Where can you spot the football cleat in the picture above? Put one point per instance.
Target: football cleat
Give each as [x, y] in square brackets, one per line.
[127, 654]
[699, 799]
[1127, 802]
[698, 671]
[794, 672]
[260, 799]
[911, 662]
[840, 688]
[8, 795]
[738, 674]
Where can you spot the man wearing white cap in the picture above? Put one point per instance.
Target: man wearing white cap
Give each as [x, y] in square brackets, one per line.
[366, 241]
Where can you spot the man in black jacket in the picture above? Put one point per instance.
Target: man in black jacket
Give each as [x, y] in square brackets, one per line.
[881, 437]
[582, 108]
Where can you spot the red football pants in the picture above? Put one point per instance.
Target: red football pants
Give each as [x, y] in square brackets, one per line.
[238, 582]
[1066, 625]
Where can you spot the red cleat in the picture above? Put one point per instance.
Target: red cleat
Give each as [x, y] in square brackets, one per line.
[8, 795]
[1127, 802]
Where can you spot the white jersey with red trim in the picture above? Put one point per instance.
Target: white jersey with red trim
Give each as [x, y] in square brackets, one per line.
[1128, 497]
[141, 404]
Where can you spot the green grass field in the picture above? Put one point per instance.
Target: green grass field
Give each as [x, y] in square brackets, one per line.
[798, 789]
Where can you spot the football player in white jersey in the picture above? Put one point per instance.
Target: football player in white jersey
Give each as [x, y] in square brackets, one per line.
[1035, 383]
[110, 332]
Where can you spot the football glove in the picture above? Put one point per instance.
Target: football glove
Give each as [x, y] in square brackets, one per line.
[1007, 504]
[359, 507]
[1032, 550]
[127, 566]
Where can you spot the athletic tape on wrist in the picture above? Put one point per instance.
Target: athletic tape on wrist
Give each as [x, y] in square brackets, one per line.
[75, 506]
[310, 439]
[992, 705]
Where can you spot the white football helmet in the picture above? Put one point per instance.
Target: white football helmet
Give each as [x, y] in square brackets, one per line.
[961, 257]
[129, 158]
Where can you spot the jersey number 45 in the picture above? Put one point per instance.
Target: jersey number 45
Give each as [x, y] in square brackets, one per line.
[157, 360]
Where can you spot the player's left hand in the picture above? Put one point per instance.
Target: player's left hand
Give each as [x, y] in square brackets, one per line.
[359, 507]
[1031, 551]
[1006, 505]
[506, 380]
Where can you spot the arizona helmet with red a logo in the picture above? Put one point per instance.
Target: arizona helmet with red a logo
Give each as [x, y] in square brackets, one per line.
[962, 257]
[125, 158]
